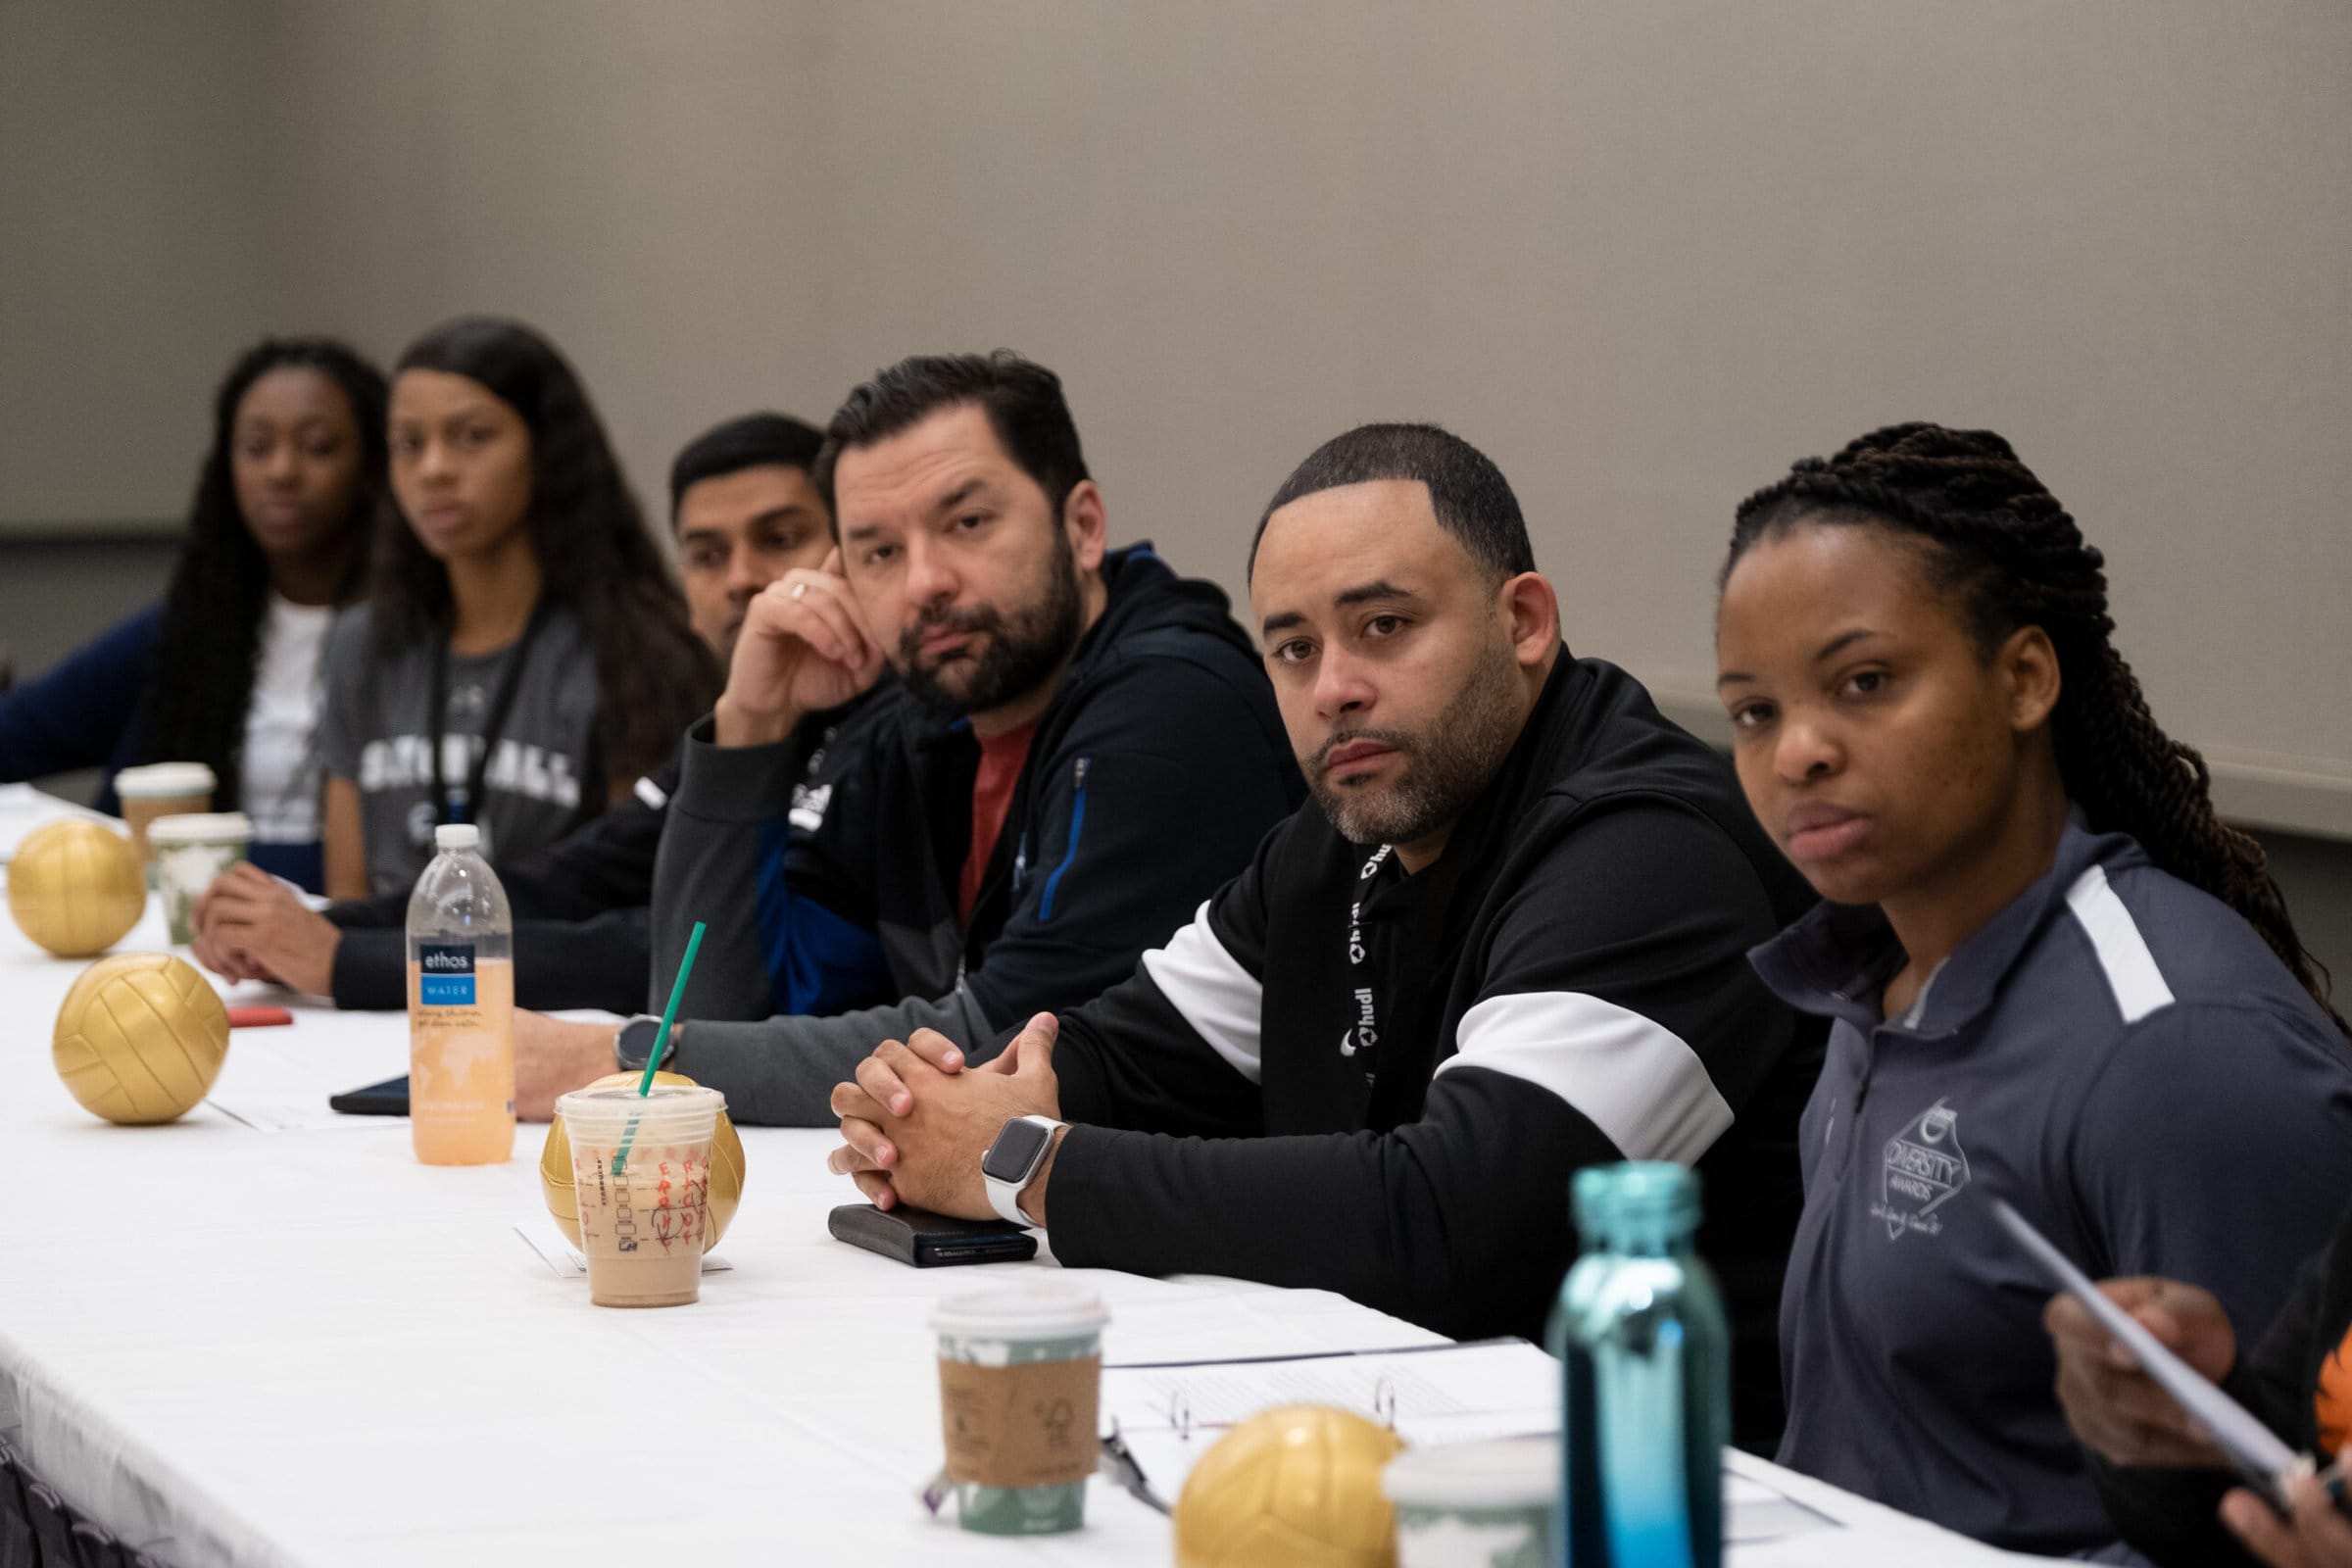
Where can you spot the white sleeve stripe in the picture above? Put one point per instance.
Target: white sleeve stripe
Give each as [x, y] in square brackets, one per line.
[2130, 968]
[1217, 997]
[1631, 1077]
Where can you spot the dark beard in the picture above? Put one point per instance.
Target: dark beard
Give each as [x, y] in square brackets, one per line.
[1023, 652]
[1446, 769]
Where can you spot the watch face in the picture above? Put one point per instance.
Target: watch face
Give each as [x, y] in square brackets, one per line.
[637, 1039]
[1014, 1152]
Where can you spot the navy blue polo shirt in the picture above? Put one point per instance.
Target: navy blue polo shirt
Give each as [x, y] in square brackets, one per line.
[2121, 1057]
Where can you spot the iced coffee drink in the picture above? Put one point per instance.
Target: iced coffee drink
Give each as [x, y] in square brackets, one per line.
[641, 1170]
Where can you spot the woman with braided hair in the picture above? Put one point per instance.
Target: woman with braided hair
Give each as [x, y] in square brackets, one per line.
[226, 670]
[2054, 977]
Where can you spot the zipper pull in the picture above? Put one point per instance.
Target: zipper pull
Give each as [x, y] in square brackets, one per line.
[1021, 861]
[1080, 781]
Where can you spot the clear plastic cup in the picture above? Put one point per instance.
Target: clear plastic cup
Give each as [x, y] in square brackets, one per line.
[1476, 1504]
[161, 789]
[641, 1170]
[1021, 1378]
[189, 851]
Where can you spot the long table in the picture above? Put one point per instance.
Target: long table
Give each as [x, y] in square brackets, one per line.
[264, 1336]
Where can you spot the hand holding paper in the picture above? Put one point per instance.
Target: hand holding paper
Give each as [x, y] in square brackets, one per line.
[2112, 1402]
[2244, 1442]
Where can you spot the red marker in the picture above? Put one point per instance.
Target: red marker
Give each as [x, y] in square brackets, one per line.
[258, 1017]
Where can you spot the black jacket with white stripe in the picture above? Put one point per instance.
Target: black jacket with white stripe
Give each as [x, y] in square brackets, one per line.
[1341, 1076]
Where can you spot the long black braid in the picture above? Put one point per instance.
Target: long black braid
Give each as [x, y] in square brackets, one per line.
[212, 627]
[2003, 541]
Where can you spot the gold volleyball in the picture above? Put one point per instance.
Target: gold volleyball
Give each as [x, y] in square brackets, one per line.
[140, 1038]
[76, 886]
[1293, 1486]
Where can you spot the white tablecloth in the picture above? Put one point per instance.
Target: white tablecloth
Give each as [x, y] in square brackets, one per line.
[301, 1346]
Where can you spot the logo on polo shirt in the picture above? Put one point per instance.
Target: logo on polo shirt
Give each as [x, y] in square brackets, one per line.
[1923, 1166]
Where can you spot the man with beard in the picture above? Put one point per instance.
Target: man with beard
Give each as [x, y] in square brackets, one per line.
[1079, 749]
[1508, 939]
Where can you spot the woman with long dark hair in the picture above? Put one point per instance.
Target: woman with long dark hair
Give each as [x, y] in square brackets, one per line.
[226, 670]
[2056, 977]
[524, 656]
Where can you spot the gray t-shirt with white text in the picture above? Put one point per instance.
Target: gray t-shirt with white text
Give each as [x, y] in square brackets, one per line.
[377, 731]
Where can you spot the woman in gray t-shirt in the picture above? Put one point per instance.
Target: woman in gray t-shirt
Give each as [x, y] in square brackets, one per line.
[524, 656]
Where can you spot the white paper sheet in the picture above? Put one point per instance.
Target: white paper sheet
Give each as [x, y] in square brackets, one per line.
[267, 1114]
[24, 808]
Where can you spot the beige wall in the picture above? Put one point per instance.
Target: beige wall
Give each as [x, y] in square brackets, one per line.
[1645, 252]
[136, 246]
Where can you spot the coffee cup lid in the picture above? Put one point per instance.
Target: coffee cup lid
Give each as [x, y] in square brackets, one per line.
[164, 778]
[200, 827]
[1045, 1310]
[620, 1103]
[1498, 1473]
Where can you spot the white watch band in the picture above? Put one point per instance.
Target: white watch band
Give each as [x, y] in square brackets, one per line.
[1005, 1197]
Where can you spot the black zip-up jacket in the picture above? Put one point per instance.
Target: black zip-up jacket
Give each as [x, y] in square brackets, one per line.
[582, 921]
[1158, 764]
[1341, 1076]
[2297, 1382]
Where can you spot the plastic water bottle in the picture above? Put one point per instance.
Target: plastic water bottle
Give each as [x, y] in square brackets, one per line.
[461, 1006]
[1646, 1354]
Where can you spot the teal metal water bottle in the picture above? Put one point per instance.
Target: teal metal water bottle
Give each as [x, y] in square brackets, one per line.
[1647, 1358]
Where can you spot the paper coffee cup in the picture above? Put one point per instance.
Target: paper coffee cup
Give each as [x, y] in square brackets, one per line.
[640, 1173]
[189, 851]
[1020, 1377]
[1476, 1504]
[161, 789]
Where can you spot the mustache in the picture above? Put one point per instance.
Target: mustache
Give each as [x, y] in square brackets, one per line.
[978, 618]
[1394, 739]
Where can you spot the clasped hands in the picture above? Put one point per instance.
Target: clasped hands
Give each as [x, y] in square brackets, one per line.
[915, 1122]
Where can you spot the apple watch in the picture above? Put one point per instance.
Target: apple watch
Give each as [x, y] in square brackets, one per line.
[633, 1043]
[1012, 1159]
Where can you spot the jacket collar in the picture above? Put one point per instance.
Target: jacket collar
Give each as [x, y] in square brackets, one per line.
[1837, 960]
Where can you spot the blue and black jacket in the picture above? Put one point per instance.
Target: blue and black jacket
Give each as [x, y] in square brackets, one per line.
[1155, 772]
[87, 712]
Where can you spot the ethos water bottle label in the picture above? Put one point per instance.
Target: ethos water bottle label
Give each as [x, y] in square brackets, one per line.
[445, 974]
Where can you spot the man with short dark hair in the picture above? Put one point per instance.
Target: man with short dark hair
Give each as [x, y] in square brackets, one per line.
[1079, 749]
[744, 498]
[1508, 939]
[746, 512]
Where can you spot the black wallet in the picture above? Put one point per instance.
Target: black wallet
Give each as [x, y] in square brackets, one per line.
[387, 1098]
[926, 1240]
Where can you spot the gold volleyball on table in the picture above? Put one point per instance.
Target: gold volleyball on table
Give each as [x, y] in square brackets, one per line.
[140, 1037]
[1293, 1486]
[76, 886]
[726, 1167]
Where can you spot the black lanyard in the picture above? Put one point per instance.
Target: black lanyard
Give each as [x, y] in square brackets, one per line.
[1362, 1035]
[445, 809]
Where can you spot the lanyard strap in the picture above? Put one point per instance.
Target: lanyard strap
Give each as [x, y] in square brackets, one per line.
[1364, 1033]
[445, 807]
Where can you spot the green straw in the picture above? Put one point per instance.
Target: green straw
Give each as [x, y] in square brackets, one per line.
[653, 1060]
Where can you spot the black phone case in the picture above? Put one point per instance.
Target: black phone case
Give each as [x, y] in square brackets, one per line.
[387, 1098]
[920, 1238]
